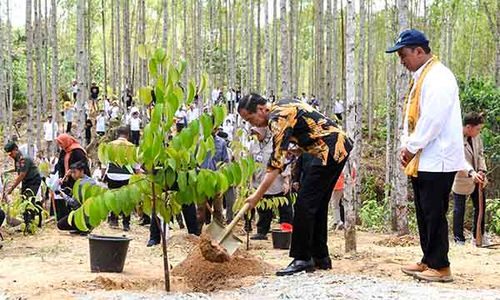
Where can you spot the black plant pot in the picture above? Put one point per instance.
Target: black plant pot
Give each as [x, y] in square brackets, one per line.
[281, 239]
[108, 253]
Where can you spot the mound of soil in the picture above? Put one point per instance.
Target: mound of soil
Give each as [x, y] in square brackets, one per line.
[205, 276]
[399, 241]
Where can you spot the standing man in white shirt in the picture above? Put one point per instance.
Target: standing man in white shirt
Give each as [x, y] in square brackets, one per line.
[49, 134]
[338, 108]
[432, 149]
[135, 127]
[100, 123]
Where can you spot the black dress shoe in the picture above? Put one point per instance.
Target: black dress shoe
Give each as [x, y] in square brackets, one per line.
[152, 243]
[324, 263]
[297, 266]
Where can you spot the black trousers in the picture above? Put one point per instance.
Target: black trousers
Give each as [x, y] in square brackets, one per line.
[113, 184]
[459, 213]
[68, 127]
[189, 212]
[432, 194]
[310, 222]
[134, 137]
[266, 215]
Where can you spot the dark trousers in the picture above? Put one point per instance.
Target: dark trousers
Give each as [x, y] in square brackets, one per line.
[189, 212]
[459, 213]
[310, 222]
[266, 215]
[432, 192]
[68, 127]
[112, 184]
[134, 137]
[2, 216]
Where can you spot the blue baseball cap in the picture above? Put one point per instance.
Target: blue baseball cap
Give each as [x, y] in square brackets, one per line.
[407, 38]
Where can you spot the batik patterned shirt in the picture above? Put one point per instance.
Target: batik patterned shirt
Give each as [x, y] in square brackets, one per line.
[292, 121]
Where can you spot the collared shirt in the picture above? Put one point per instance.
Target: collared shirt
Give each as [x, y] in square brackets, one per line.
[100, 123]
[135, 124]
[292, 121]
[438, 132]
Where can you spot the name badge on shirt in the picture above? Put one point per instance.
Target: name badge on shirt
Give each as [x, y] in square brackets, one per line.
[258, 158]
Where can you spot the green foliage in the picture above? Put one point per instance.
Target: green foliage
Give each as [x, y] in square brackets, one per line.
[373, 214]
[173, 176]
[493, 209]
[483, 96]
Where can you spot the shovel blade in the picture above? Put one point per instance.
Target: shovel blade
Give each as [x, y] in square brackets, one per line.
[231, 243]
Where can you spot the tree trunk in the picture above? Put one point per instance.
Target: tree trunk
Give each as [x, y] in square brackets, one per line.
[285, 53]
[267, 49]
[81, 66]
[319, 49]
[29, 76]
[359, 102]
[335, 46]
[55, 65]
[174, 30]
[497, 39]
[142, 40]
[250, 65]
[401, 181]
[274, 70]
[10, 80]
[297, 54]
[164, 39]
[39, 68]
[185, 41]
[105, 87]
[291, 44]
[126, 45]
[113, 56]
[327, 104]
[118, 52]
[258, 76]
[352, 164]
[371, 61]
[3, 102]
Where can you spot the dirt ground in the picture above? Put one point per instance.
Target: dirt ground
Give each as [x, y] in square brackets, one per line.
[55, 265]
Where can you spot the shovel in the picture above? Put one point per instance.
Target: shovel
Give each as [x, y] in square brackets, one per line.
[223, 236]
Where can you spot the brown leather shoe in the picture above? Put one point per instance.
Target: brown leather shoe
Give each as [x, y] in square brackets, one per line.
[414, 268]
[435, 275]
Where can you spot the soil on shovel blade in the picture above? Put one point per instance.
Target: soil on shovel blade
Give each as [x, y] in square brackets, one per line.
[205, 276]
[212, 251]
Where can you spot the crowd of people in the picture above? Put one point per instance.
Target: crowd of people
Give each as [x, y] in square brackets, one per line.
[303, 151]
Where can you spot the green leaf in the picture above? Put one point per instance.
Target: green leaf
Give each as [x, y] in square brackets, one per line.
[191, 90]
[222, 183]
[207, 125]
[203, 83]
[170, 177]
[182, 66]
[218, 112]
[236, 170]
[102, 153]
[181, 180]
[160, 55]
[145, 95]
[79, 220]
[146, 206]
[142, 51]
[201, 153]
[153, 67]
[173, 75]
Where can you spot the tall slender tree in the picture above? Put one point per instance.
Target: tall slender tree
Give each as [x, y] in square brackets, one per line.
[285, 53]
[267, 49]
[258, 50]
[328, 55]
[55, 63]
[10, 80]
[401, 181]
[81, 67]
[319, 67]
[126, 45]
[353, 162]
[104, 54]
[29, 76]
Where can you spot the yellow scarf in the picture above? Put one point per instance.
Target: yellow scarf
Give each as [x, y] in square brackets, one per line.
[413, 112]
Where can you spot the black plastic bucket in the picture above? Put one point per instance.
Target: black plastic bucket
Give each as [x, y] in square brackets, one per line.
[281, 239]
[108, 253]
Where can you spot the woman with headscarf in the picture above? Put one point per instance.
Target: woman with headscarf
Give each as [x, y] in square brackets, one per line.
[71, 152]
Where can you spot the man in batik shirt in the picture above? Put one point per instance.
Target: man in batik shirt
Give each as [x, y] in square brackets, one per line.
[292, 121]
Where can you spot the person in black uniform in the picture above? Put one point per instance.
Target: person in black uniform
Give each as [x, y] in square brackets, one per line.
[30, 178]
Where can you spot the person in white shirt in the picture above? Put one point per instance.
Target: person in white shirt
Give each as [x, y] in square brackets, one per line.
[100, 124]
[432, 150]
[115, 110]
[229, 129]
[338, 109]
[107, 106]
[193, 113]
[215, 95]
[49, 134]
[135, 127]
[69, 111]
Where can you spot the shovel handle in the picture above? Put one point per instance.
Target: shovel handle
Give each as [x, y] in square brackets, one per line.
[229, 228]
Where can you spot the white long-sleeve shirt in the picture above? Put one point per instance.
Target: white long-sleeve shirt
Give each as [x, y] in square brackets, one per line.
[438, 131]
